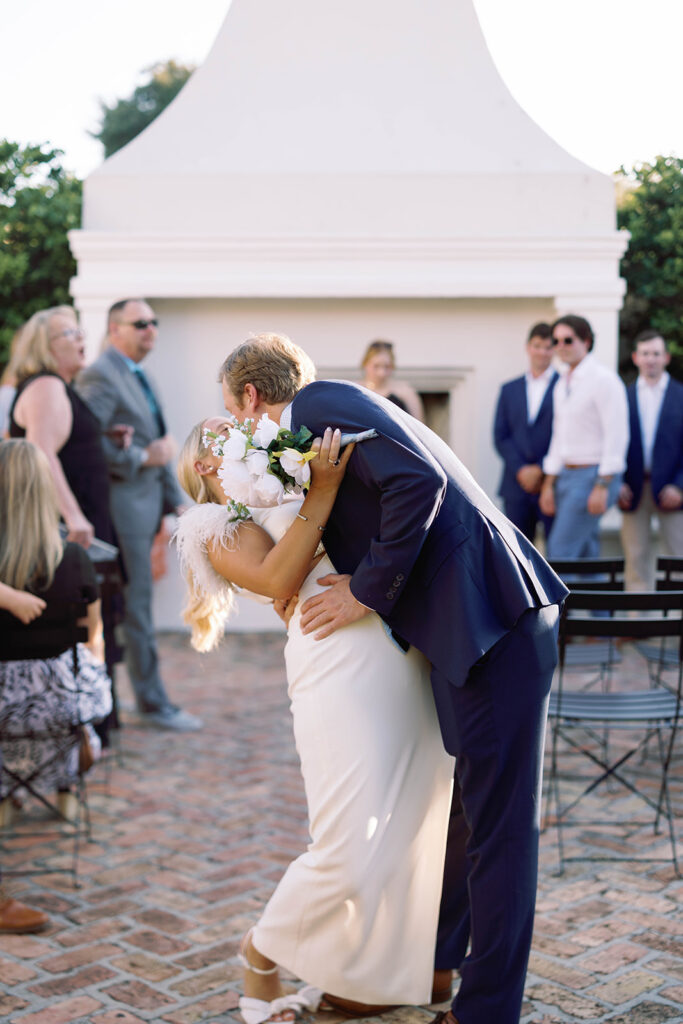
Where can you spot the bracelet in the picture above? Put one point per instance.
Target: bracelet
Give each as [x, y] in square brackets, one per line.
[305, 519]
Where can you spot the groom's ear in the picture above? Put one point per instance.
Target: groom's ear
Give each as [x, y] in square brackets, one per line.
[251, 400]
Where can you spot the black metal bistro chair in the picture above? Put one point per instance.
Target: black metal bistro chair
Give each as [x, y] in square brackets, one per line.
[64, 740]
[589, 574]
[578, 718]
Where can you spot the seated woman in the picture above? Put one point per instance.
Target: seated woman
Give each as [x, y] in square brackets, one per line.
[355, 916]
[40, 575]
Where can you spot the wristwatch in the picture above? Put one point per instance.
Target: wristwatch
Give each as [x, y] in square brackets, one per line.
[144, 456]
[603, 481]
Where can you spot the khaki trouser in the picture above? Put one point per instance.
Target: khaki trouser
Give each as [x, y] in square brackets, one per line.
[636, 539]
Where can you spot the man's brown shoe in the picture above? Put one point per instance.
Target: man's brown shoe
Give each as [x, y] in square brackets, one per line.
[18, 919]
[444, 1017]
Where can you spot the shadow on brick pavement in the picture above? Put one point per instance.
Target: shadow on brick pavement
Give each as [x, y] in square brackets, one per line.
[192, 832]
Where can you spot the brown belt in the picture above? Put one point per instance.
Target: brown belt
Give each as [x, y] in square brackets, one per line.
[582, 465]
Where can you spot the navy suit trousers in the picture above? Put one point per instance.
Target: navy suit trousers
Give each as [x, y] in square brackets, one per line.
[523, 511]
[495, 725]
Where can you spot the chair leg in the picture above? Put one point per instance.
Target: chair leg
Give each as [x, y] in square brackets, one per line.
[555, 792]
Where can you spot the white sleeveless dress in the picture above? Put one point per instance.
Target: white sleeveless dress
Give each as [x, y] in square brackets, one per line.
[356, 914]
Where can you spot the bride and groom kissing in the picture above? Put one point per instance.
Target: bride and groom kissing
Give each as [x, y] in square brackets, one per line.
[425, 630]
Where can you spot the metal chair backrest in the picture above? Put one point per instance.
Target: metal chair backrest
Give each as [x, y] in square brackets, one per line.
[590, 573]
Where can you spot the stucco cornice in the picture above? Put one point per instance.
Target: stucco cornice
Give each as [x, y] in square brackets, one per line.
[229, 267]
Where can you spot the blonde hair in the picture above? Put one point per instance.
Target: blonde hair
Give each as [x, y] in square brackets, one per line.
[272, 363]
[206, 614]
[374, 349]
[31, 348]
[30, 545]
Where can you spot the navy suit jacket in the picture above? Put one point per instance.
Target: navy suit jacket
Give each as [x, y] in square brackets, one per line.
[667, 453]
[518, 442]
[424, 545]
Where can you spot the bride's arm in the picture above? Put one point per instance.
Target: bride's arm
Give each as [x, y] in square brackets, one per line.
[278, 570]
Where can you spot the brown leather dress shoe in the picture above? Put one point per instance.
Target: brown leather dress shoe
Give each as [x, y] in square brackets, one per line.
[18, 919]
[444, 1017]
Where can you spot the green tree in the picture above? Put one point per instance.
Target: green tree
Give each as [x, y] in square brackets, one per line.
[650, 206]
[126, 118]
[39, 203]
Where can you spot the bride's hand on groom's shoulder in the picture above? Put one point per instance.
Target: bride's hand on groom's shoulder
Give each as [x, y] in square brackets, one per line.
[334, 608]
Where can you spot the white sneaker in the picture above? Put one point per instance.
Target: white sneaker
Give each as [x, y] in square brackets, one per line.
[171, 718]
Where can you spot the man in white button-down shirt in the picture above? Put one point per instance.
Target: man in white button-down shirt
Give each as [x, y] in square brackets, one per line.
[587, 453]
[653, 482]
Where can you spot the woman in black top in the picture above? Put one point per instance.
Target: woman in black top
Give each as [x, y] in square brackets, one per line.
[37, 683]
[378, 365]
[49, 352]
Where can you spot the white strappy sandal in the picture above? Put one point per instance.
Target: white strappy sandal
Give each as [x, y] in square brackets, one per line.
[257, 1011]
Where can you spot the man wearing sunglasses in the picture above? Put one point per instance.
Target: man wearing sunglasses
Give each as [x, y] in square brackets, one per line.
[143, 489]
[587, 453]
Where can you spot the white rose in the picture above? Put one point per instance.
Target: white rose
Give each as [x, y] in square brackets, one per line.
[257, 462]
[235, 446]
[291, 461]
[303, 475]
[268, 490]
[235, 480]
[266, 431]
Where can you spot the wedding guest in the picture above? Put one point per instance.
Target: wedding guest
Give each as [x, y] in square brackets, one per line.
[587, 452]
[48, 353]
[38, 687]
[653, 481]
[379, 363]
[143, 490]
[521, 433]
[47, 411]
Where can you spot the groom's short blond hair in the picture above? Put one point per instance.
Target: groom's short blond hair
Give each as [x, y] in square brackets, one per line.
[272, 363]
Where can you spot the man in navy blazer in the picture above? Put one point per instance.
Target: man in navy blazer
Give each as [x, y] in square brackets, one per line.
[521, 433]
[653, 481]
[413, 537]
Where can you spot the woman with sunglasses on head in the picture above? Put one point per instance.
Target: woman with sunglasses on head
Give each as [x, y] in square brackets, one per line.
[48, 353]
[378, 364]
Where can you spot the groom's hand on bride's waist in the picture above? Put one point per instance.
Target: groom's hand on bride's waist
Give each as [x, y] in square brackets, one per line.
[334, 608]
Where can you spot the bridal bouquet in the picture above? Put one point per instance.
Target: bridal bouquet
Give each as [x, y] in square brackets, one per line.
[264, 463]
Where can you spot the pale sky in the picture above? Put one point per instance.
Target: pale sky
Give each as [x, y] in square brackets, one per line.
[600, 76]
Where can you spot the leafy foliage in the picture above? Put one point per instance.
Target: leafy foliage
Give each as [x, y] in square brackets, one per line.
[126, 118]
[39, 203]
[651, 208]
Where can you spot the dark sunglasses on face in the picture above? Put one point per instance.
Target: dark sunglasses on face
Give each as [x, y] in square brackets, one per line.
[563, 341]
[142, 325]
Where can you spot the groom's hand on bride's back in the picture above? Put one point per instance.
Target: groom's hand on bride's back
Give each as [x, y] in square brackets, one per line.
[334, 608]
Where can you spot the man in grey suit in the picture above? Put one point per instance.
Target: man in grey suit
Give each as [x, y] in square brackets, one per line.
[143, 489]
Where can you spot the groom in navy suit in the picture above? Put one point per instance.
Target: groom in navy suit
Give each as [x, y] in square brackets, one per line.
[522, 431]
[413, 537]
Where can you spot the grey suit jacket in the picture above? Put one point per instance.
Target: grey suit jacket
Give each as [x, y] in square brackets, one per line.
[140, 494]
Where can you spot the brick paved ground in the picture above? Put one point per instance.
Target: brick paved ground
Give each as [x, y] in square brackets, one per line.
[192, 833]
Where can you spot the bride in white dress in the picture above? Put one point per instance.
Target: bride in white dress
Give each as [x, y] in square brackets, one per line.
[355, 915]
